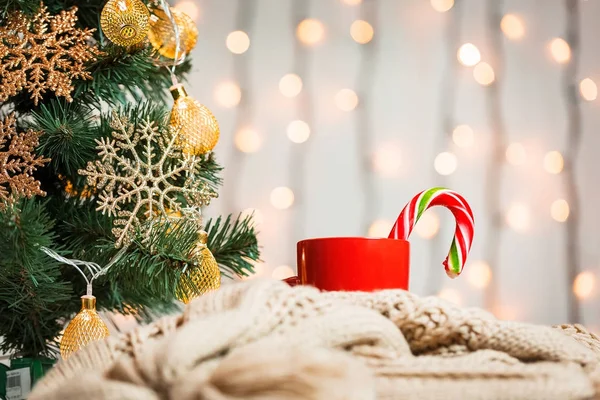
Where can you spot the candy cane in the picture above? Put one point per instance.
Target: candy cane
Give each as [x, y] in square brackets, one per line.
[463, 235]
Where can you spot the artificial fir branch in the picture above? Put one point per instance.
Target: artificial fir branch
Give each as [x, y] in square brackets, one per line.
[234, 244]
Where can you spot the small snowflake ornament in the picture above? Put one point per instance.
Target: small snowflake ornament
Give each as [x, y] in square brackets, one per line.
[142, 175]
[43, 53]
[18, 162]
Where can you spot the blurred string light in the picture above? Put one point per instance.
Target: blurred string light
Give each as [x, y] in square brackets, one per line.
[518, 217]
[463, 136]
[512, 26]
[290, 85]
[282, 197]
[380, 228]
[450, 295]
[553, 162]
[228, 94]
[559, 210]
[361, 31]
[352, 2]
[257, 216]
[445, 163]
[468, 55]
[387, 160]
[574, 132]
[298, 131]
[260, 269]
[442, 5]
[310, 32]
[282, 272]
[560, 50]
[428, 225]
[346, 100]
[584, 285]
[238, 42]
[190, 8]
[247, 140]
[588, 89]
[484, 74]
[479, 274]
[516, 154]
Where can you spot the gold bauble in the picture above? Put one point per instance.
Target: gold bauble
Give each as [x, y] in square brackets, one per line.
[162, 35]
[196, 127]
[86, 327]
[205, 276]
[125, 22]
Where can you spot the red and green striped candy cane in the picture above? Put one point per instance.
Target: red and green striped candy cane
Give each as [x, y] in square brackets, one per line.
[463, 235]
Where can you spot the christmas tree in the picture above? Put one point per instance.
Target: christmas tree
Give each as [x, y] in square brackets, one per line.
[97, 165]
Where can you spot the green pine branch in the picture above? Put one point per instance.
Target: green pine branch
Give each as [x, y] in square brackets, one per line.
[234, 244]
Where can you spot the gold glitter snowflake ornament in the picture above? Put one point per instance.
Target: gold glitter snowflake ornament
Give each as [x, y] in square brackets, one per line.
[18, 162]
[43, 53]
[142, 175]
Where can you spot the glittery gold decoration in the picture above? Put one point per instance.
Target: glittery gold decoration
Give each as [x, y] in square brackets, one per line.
[44, 53]
[205, 276]
[139, 186]
[18, 162]
[162, 35]
[84, 328]
[125, 22]
[196, 127]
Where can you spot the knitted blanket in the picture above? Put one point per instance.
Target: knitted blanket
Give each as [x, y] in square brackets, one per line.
[265, 340]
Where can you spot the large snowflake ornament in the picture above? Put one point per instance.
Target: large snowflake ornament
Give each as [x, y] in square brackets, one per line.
[142, 175]
[43, 53]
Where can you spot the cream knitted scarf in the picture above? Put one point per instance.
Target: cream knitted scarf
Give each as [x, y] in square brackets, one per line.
[265, 340]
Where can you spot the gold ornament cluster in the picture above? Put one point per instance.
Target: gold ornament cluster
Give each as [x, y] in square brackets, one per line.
[18, 162]
[129, 22]
[43, 53]
[141, 174]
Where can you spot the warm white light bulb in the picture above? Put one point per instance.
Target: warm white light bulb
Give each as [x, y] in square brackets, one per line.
[450, 295]
[361, 31]
[518, 217]
[584, 285]
[445, 163]
[484, 74]
[512, 26]
[442, 5]
[248, 140]
[588, 89]
[516, 154]
[282, 272]
[559, 210]
[387, 160]
[553, 162]
[298, 131]
[380, 228]
[290, 85]
[428, 225]
[468, 54]
[238, 42]
[310, 32]
[190, 8]
[282, 197]
[346, 100]
[228, 94]
[463, 136]
[560, 50]
[479, 274]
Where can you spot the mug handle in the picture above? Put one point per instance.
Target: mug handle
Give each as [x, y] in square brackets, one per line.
[292, 281]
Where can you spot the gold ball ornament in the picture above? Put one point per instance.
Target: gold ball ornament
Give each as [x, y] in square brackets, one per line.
[162, 34]
[197, 128]
[125, 22]
[205, 276]
[86, 327]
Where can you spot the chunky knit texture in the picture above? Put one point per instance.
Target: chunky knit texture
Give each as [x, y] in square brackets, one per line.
[265, 340]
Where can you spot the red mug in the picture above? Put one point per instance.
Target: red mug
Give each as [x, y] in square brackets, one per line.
[353, 264]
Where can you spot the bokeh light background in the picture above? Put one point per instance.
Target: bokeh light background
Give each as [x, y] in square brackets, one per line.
[335, 113]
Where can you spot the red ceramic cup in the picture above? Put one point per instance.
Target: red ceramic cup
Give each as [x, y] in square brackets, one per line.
[353, 264]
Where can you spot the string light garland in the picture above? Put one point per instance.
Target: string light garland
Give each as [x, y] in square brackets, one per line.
[517, 216]
[448, 96]
[364, 120]
[229, 94]
[304, 112]
[571, 155]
